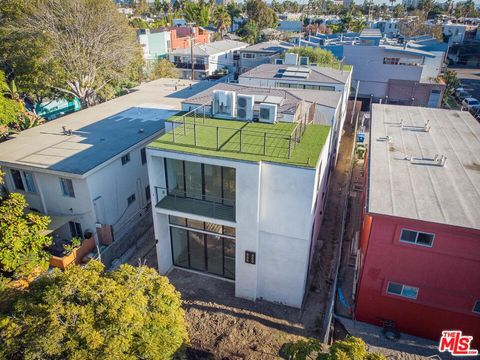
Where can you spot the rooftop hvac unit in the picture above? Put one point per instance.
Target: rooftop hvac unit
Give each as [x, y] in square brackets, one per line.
[245, 107]
[303, 60]
[291, 59]
[223, 104]
[268, 113]
[279, 61]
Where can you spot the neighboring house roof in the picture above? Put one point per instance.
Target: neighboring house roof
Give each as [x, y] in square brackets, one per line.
[212, 48]
[374, 33]
[291, 97]
[403, 180]
[407, 50]
[317, 74]
[273, 47]
[100, 132]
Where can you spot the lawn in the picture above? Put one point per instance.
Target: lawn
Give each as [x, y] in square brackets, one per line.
[249, 141]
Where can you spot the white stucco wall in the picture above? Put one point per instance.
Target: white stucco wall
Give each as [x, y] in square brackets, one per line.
[110, 187]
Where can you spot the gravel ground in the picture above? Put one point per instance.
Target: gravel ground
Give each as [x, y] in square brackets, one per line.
[408, 347]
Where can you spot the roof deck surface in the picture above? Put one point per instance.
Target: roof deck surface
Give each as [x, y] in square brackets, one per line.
[305, 153]
[404, 181]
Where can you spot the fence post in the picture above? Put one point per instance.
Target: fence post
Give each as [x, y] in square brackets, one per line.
[217, 138]
[264, 143]
[195, 115]
[184, 126]
[240, 140]
[296, 137]
[290, 147]
[173, 131]
[195, 134]
[204, 114]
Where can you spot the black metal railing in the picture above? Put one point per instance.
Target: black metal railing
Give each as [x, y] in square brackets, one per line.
[182, 65]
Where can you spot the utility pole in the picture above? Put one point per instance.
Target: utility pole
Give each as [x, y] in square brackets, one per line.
[192, 40]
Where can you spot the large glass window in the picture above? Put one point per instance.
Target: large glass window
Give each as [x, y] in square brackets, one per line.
[200, 246]
[229, 186]
[175, 177]
[213, 182]
[67, 187]
[193, 180]
[201, 181]
[179, 246]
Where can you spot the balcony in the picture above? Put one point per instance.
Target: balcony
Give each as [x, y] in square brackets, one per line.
[183, 65]
[212, 207]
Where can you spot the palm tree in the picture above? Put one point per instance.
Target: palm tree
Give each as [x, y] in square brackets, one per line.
[222, 20]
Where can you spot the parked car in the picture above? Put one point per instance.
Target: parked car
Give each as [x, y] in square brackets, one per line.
[474, 110]
[462, 94]
[469, 102]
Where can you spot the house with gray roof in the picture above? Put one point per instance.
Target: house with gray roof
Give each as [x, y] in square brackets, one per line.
[207, 58]
[87, 170]
[261, 53]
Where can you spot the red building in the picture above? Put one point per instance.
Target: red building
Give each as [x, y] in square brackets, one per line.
[420, 238]
[180, 36]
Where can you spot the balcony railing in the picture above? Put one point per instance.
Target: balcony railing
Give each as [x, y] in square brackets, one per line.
[183, 65]
[195, 203]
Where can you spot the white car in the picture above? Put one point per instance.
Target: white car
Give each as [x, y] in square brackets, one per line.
[469, 102]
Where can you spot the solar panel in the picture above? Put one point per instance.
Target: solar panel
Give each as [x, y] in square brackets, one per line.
[296, 74]
[303, 70]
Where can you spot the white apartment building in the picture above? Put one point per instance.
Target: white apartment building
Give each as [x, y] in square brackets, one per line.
[207, 58]
[241, 199]
[88, 170]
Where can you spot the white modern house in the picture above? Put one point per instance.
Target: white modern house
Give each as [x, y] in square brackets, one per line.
[87, 170]
[240, 194]
[207, 58]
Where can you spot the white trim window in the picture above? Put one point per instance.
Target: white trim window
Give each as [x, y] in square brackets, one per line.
[23, 181]
[67, 187]
[417, 237]
[406, 291]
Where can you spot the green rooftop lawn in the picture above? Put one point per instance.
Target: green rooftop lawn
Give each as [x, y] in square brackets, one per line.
[305, 153]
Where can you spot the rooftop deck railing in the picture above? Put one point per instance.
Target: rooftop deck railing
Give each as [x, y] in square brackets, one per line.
[265, 141]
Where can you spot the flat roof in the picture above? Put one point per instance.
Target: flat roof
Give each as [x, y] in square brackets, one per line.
[291, 97]
[318, 74]
[304, 153]
[404, 178]
[273, 46]
[213, 48]
[100, 132]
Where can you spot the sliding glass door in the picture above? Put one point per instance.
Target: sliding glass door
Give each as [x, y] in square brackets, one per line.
[196, 246]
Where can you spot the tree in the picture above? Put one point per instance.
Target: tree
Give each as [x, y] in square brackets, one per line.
[351, 348]
[259, 12]
[426, 6]
[22, 242]
[249, 32]
[222, 20]
[141, 7]
[198, 13]
[73, 47]
[316, 55]
[164, 69]
[358, 25]
[452, 83]
[399, 10]
[89, 313]
[448, 7]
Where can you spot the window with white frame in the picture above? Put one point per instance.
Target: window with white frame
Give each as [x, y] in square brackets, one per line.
[417, 237]
[67, 187]
[248, 56]
[23, 180]
[406, 291]
[476, 307]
